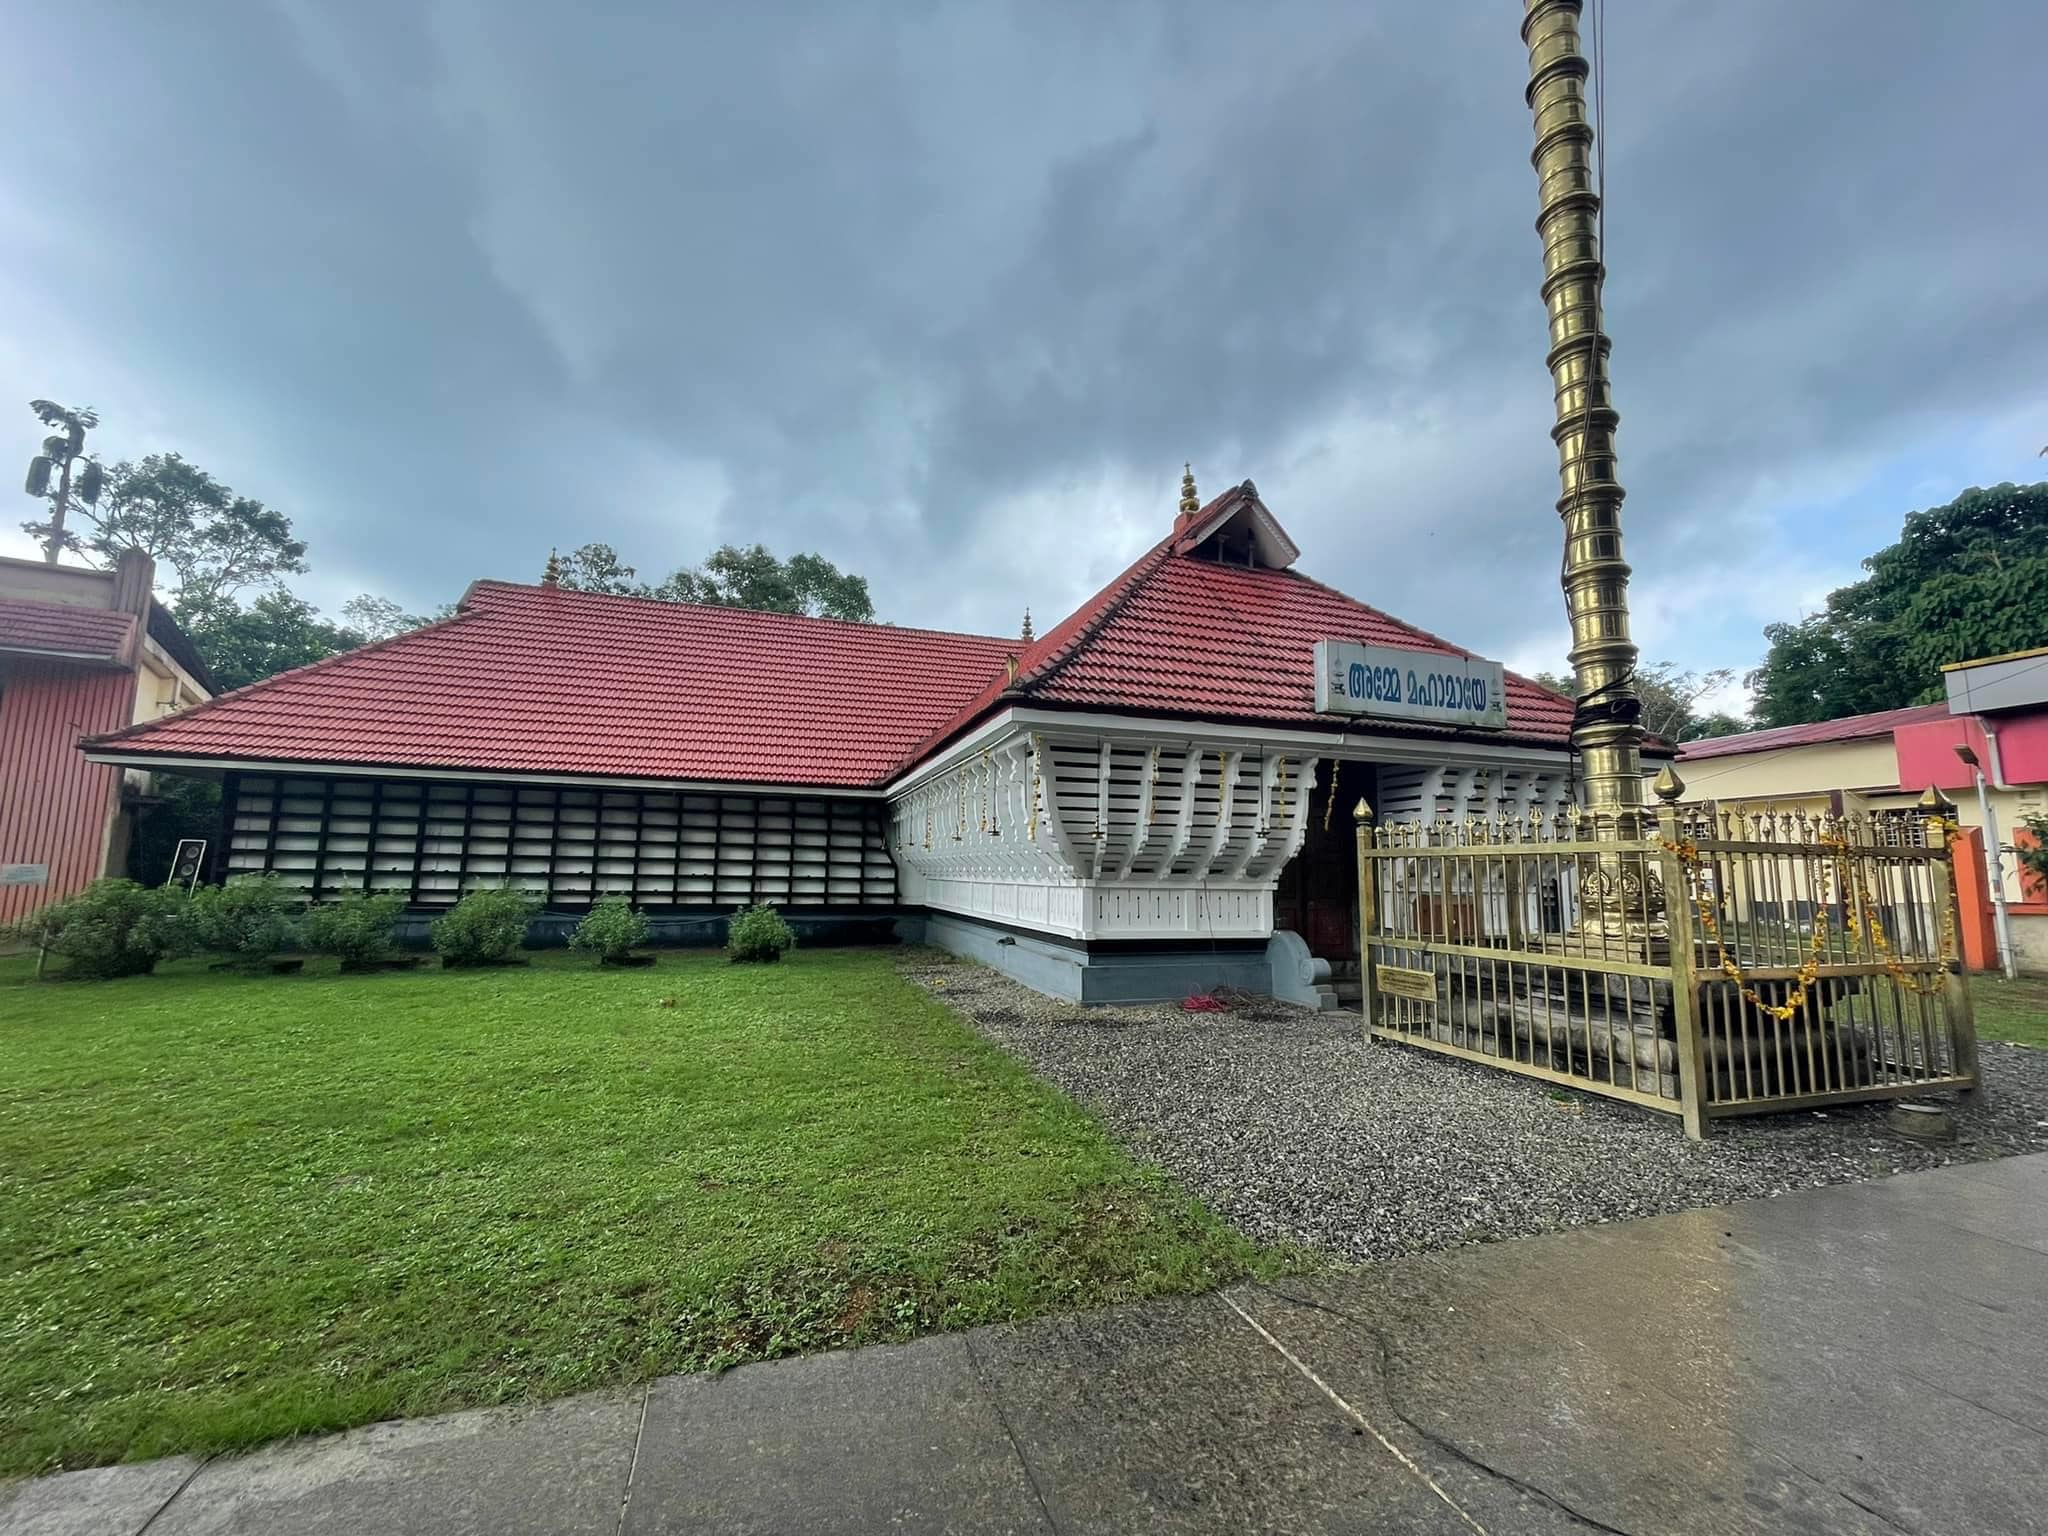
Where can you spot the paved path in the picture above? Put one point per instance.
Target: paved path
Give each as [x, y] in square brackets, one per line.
[1870, 1358]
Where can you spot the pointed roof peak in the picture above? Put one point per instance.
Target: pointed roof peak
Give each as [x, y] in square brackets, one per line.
[1189, 501]
[551, 573]
[1027, 637]
[1237, 529]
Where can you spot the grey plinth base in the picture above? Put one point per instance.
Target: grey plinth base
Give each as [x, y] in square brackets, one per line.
[1101, 976]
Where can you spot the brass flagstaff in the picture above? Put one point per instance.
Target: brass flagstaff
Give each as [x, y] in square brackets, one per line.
[1620, 899]
[1606, 730]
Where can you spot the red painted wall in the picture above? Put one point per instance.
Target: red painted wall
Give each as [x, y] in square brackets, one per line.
[2023, 746]
[54, 805]
[1927, 753]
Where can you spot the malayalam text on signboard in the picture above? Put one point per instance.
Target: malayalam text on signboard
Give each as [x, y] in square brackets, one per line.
[1399, 981]
[1388, 682]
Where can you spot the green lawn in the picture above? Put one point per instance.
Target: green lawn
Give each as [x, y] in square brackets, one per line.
[233, 1208]
[2011, 1010]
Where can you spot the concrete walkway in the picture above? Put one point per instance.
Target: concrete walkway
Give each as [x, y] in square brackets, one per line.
[1871, 1358]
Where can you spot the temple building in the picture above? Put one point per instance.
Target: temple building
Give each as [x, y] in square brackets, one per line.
[1150, 798]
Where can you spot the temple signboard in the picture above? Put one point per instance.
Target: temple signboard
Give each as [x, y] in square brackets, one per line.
[1388, 682]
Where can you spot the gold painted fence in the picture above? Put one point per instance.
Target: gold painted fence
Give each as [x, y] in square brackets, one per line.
[1707, 963]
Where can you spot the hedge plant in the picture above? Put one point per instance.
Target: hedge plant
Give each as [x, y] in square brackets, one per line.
[611, 931]
[486, 927]
[249, 918]
[758, 934]
[356, 929]
[113, 928]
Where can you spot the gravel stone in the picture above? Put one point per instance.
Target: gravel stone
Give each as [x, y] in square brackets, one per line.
[1297, 1128]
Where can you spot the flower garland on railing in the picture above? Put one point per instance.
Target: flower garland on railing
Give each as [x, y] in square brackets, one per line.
[1862, 919]
[1688, 855]
[1330, 800]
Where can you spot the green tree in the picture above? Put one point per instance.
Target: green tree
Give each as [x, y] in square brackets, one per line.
[1671, 699]
[378, 618]
[1966, 579]
[597, 568]
[211, 543]
[732, 577]
[273, 634]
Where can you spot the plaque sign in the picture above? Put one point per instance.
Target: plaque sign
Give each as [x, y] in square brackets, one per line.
[1390, 682]
[1400, 981]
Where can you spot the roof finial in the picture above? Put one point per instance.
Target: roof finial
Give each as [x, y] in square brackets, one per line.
[551, 575]
[1189, 501]
[1028, 636]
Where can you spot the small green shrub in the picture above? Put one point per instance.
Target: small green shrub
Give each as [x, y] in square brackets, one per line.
[612, 930]
[485, 927]
[249, 918]
[758, 933]
[355, 928]
[113, 928]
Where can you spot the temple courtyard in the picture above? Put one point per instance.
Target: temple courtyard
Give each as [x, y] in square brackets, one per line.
[1854, 1361]
[248, 1208]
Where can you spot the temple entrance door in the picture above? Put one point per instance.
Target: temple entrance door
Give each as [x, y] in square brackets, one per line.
[1318, 892]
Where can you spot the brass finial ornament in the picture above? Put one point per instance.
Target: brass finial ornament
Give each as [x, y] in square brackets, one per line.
[1934, 803]
[1027, 636]
[1669, 785]
[1189, 501]
[551, 573]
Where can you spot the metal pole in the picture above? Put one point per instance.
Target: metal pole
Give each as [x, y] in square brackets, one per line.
[1996, 874]
[1368, 907]
[55, 546]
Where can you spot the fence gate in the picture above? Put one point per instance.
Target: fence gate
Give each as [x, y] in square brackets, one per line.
[1726, 964]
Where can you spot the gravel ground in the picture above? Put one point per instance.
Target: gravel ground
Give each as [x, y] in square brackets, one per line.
[1296, 1128]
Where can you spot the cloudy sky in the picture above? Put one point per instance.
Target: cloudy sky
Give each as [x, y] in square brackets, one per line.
[948, 293]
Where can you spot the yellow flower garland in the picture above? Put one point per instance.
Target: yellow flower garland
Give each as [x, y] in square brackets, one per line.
[1861, 918]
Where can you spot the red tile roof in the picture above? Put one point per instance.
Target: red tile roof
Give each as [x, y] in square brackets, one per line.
[547, 681]
[61, 629]
[1181, 635]
[1848, 728]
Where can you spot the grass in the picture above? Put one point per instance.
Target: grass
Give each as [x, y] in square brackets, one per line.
[243, 1207]
[2011, 1010]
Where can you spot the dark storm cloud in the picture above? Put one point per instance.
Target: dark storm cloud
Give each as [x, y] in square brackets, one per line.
[949, 292]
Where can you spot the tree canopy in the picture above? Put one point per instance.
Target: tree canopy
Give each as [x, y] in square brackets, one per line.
[1966, 579]
[211, 543]
[732, 577]
[1671, 699]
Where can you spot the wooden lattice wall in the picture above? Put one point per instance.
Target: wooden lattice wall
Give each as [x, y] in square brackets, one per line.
[434, 840]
